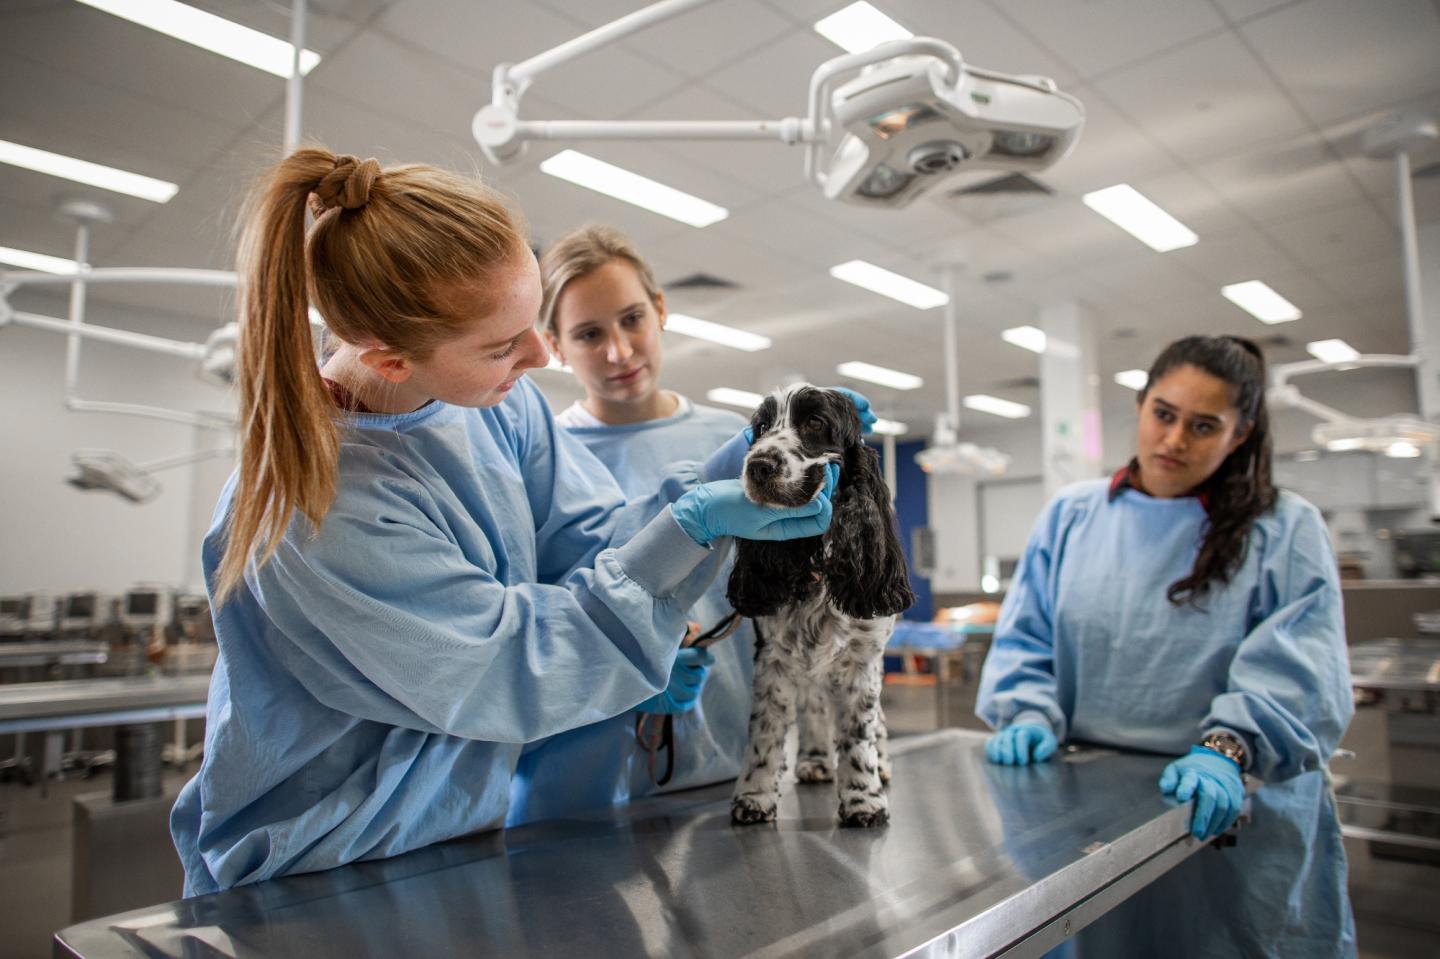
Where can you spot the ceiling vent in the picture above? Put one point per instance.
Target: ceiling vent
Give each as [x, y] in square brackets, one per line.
[1011, 183]
[702, 281]
[997, 197]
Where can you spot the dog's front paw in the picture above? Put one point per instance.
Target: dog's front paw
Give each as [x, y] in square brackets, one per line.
[814, 769]
[751, 808]
[864, 811]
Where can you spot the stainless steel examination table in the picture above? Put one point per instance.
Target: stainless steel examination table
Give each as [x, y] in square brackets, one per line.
[978, 860]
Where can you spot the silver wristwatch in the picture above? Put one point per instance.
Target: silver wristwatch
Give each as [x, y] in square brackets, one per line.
[1227, 746]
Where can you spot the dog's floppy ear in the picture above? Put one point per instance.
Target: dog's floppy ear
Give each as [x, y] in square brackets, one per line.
[768, 575]
[864, 566]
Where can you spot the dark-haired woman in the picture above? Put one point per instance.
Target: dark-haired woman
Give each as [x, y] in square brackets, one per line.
[1187, 607]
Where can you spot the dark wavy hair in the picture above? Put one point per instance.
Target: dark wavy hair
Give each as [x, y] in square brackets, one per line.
[1242, 489]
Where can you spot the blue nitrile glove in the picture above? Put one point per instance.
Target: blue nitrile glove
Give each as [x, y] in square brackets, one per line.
[712, 510]
[1021, 745]
[862, 406]
[1214, 782]
[683, 690]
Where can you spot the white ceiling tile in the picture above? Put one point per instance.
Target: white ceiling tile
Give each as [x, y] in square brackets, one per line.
[1112, 149]
[1192, 201]
[1339, 234]
[775, 81]
[1245, 9]
[1353, 281]
[1069, 234]
[1230, 257]
[703, 39]
[1281, 178]
[1101, 35]
[982, 36]
[1152, 279]
[1337, 57]
[1238, 103]
[471, 37]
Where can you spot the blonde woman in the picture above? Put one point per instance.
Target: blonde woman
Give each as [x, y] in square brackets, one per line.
[413, 571]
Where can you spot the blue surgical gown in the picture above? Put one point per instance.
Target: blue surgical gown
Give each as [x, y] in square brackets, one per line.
[601, 764]
[478, 583]
[1087, 642]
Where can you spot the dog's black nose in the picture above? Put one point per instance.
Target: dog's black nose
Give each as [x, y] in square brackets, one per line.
[761, 470]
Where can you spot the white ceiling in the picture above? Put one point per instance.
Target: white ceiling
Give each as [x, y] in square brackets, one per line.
[1241, 117]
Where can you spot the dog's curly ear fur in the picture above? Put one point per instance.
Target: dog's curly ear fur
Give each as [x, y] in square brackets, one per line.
[769, 575]
[864, 565]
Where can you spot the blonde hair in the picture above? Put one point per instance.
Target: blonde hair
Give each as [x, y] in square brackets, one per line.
[581, 252]
[385, 247]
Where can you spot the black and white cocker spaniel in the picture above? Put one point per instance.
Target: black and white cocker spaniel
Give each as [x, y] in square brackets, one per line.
[824, 608]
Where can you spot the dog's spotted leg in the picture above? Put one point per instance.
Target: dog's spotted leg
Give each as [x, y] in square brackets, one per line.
[817, 734]
[882, 748]
[862, 800]
[757, 790]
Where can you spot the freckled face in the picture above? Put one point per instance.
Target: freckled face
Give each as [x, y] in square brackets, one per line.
[1188, 426]
[481, 366]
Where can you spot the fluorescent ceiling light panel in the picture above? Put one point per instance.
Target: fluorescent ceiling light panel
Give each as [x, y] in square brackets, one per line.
[1332, 351]
[1130, 210]
[741, 398]
[716, 333]
[882, 281]
[1026, 337]
[36, 261]
[1132, 379]
[82, 171]
[1261, 302]
[996, 406]
[602, 177]
[894, 379]
[1402, 449]
[890, 427]
[209, 32]
[860, 27]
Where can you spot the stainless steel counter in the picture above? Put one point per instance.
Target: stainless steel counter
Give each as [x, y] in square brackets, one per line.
[977, 860]
[1396, 664]
[57, 652]
[28, 707]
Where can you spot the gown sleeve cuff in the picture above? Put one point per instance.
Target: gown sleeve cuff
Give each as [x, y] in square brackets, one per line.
[661, 556]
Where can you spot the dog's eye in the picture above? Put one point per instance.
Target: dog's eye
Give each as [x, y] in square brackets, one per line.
[760, 428]
[813, 425]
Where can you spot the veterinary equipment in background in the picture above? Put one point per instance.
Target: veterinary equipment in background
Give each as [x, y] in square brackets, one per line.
[1404, 435]
[915, 113]
[946, 455]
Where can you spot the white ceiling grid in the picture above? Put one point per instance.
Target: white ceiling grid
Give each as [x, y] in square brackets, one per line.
[1240, 117]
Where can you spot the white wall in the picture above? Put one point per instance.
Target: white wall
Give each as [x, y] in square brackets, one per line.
[56, 538]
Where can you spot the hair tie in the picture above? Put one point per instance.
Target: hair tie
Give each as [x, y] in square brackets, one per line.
[347, 186]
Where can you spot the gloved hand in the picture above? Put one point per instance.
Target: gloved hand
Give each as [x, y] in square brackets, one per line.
[1215, 784]
[1021, 745]
[862, 406]
[712, 510]
[683, 689]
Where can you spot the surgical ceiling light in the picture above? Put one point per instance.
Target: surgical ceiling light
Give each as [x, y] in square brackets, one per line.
[915, 113]
[877, 279]
[716, 333]
[1139, 216]
[995, 406]
[111, 471]
[870, 373]
[1332, 351]
[37, 261]
[1026, 337]
[209, 32]
[621, 184]
[83, 171]
[860, 27]
[1133, 379]
[731, 397]
[1260, 301]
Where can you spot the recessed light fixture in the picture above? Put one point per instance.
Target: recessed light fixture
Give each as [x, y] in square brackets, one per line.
[1026, 337]
[83, 171]
[209, 32]
[889, 427]
[37, 261]
[880, 280]
[741, 398]
[716, 333]
[894, 379]
[1261, 302]
[1132, 379]
[1332, 351]
[996, 406]
[859, 27]
[1137, 215]
[613, 181]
